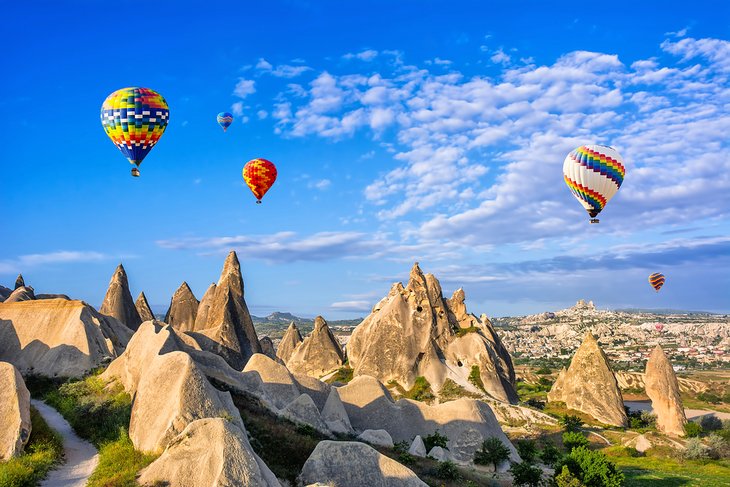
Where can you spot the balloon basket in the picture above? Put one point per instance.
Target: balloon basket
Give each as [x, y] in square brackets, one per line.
[594, 220]
[258, 202]
[135, 172]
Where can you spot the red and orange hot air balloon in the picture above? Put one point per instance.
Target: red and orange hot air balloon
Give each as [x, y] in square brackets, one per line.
[657, 281]
[259, 175]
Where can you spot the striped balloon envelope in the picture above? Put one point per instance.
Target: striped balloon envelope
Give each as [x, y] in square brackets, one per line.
[225, 120]
[259, 175]
[594, 174]
[657, 281]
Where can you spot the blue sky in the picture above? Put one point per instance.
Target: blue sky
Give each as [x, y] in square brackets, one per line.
[402, 131]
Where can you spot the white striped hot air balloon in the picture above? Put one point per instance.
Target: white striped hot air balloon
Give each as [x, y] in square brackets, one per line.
[594, 174]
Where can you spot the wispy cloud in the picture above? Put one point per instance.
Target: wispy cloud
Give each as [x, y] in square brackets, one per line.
[321, 184]
[366, 55]
[27, 261]
[281, 70]
[359, 306]
[244, 87]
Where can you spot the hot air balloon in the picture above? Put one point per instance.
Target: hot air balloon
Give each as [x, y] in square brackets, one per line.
[135, 119]
[593, 173]
[225, 120]
[657, 281]
[658, 327]
[259, 175]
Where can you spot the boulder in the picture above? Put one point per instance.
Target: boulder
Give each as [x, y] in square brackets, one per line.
[334, 414]
[183, 309]
[15, 423]
[118, 300]
[417, 448]
[23, 293]
[19, 281]
[201, 319]
[209, 452]
[350, 463]
[319, 354]
[303, 410]
[289, 342]
[57, 337]
[276, 380]
[589, 385]
[229, 331]
[52, 296]
[465, 422]
[439, 454]
[641, 443]
[143, 308]
[663, 390]
[267, 348]
[376, 437]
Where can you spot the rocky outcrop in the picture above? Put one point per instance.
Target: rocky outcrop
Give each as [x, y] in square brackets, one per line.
[15, 423]
[589, 385]
[5, 293]
[22, 293]
[413, 332]
[212, 452]
[52, 296]
[201, 320]
[466, 422]
[118, 300]
[635, 380]
[143, 308]
[417, 448]
[289, 342]
[303, 410]
[276, 379]
[334, 414]
[663, 390]
[183, 309]
[19, 281]
[350, 463]
[229, 331]
[267, 347]
[376, 437]
[57, 337]
[319, 354]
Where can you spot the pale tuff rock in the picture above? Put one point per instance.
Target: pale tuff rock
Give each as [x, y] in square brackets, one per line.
[52, 296]
[635, 380]
[377, 438]
[319, 354]
[183, 309]
[267, 347]
[229, 331]
[201, 320]
[289, 342]
[439, 454]
[663, 390]
[466, 422]
[209, 452]
[334, 414]
[350, 463]
[417, 448]
[303, 410]
[23, 293]
[277, 381]
[19, 281]
[118, 300]
[589, 385]
[143, 308]
[412, 332]
[15, 423]
[57, 337]
[5, 293]
[641, 443]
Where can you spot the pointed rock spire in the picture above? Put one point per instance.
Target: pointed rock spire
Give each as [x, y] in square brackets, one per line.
[289, 342]
[201, 319]
[143, 308]
[183, 309]
[19, 282]
[267, 347]
[118, 300]
[23, 293]
[319, 353]
[663, 389]
[589, 385]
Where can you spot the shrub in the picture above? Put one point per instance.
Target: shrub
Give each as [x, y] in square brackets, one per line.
[718, 447]
[592, 468]
[525, 474]
[544, 371]
[435, 439]
[463, 331]
[709, 397]
[570, 423]
[566, 479]
[574, 439]
[692, 429]
[695, 450]
[406, 458]
[447, 471]
[475, 378]
[527, 450]
[492, 452]
[711, 423]
[343, 375]
[401, 446]
[550, 453]
[421, 391]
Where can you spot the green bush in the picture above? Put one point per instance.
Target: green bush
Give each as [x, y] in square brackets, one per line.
[435, 439]
[711, 423]
[475, 378]
[544, 371]
[527, 450]
[525, 474]
[695, 450]
[567, 479]
[718, 447]
[493, 452]
[574, 439]
[570, 423]
[692, 429]
[447, 471]
[709, 397]
[343, 375]
[550, 453]
[463, 331]
[592, 468]
[421, 391]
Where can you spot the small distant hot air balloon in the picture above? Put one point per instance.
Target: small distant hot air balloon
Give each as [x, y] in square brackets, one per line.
[135, 119]
[658, 327]
[657, 281]
[225, 120]
[594, 174]
[259, 175]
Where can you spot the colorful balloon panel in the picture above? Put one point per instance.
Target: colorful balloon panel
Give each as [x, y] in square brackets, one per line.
[594, 174]
[259, 175]
[656, 280]
[135, 119]
[225, 120]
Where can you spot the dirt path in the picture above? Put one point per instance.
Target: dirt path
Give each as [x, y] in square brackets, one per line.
[81, 458]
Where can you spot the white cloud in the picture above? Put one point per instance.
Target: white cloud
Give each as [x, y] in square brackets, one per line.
[263, 64]
[363, 306]
[23, 262]
[262, 114]
[366, 55]
[500, 57]
[282, 70]
[321, 184]
[244, 87]
[237, 108]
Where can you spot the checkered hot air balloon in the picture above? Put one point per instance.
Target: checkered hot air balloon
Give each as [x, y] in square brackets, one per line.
[135, 119]
[225, 120]
[594, 174]
[259, 175]
[657, 281]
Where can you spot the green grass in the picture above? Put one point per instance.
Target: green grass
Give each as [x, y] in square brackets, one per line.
[450, 391]
[343, 375]
[119, 463]
[463, 331]
[43, 451]
[656, 471]
[475, 378]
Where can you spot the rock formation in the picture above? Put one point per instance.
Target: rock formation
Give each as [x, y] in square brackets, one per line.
[289, 342]
[52, 296]
[376, 437]
[201, 320]
[413, 332]
[183, 309]
[23, 293]
[589, 385]
[303, 410]
[229, 331]
[118, 300]
[635, 380]
[267, 347]
[350, 463]
[319, 354]
[663, 390]
[334, 414]
[15, 423]
[5, 293]
[56, 337]
[143, 308]
[19, 281]
[417, 448]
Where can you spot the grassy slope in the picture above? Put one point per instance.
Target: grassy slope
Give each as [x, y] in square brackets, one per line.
[656, 471]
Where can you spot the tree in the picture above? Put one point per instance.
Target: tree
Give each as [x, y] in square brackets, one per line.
[447, 471]
[493, 452]
[435, 439]
[574, 439]
[527, 450]
[592, 468]
[526, 474]
[570, 423]
[711, 423]
[566, 479]
[550, 454]
[692, 430]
